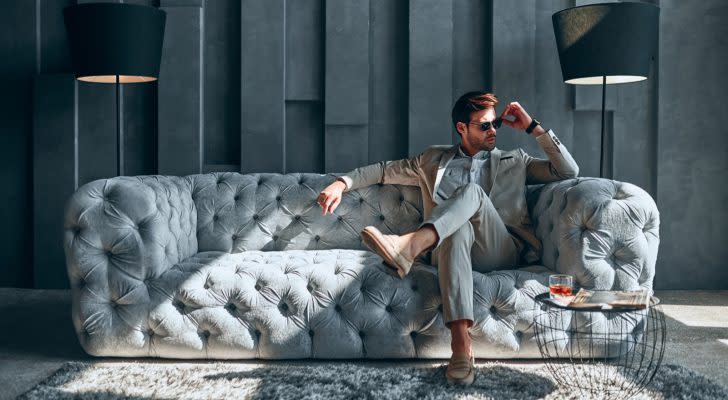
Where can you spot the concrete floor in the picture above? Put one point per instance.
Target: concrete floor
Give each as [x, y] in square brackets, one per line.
[37, 337]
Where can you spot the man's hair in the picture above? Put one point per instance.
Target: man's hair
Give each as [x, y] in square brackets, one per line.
[469, 103]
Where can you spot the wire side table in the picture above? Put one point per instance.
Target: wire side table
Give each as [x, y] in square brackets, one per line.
[610, 354]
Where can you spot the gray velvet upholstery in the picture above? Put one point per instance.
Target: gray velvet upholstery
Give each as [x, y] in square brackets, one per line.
[229, 265]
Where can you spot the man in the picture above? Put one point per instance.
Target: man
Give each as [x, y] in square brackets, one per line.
[475, 212]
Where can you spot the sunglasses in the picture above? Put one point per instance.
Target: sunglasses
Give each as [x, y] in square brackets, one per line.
[484, 126]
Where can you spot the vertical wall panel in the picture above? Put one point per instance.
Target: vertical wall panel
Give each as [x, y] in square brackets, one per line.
[304, 50]
[347, 62]
[346, 84]
[388, 85]
[472, 47]
[222, 81]
[96, 131]
[346, 147]
[693, 146]
[304, 72]
[180, 86]
[262, 87]
[514, 66]
[554, 98]
[18, 52]
[304, 121]
[140, 128]
[54, 175]
[54, 56]
[430, 73]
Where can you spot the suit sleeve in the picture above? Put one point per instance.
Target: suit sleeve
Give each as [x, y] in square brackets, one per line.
[400, 172]
[559, 166]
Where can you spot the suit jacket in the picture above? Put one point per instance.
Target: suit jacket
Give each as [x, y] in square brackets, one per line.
[509, 173]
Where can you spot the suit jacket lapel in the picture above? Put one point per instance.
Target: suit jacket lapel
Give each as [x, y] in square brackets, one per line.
[446, 157]
[495, 156]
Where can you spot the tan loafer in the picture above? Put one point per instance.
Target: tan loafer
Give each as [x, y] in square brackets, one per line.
[387, 249]
[461, 370]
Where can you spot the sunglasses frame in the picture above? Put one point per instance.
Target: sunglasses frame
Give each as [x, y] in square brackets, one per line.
[484, 126]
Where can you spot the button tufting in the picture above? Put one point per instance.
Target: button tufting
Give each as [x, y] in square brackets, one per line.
[388, 308]
[257, 333]
[275, 237]
[235, 237]
[413, 334]
[214, 217]
[310, 332]
[297, 217]
[340, 218]
[236, 197]
[278, 198]
[309, 288]
[257, 286]
[231, 307]
[361, 334]
[317, 237]
[439, 307]
[401, 198]
[255, 216]
[381, 217]
[414, 288]
[361, 199]
[493, 309]
[150, 333]
[337, 308]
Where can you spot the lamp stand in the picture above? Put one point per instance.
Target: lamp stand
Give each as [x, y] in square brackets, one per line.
[601, 146]
[119, 139]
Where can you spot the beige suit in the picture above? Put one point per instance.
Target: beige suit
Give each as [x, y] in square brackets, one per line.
[479, 228]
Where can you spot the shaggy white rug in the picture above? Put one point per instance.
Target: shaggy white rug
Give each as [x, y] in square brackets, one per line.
[331, 380]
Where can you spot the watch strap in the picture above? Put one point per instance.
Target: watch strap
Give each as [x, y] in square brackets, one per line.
[534, 124]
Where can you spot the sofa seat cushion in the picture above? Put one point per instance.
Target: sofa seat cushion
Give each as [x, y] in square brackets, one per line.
[339, 303]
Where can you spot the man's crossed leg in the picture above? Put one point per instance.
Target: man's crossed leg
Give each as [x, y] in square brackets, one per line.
[465, 233]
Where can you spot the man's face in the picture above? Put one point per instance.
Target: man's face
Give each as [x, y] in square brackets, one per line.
[472, 137]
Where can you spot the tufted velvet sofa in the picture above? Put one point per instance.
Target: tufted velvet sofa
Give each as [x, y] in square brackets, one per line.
[229, 265]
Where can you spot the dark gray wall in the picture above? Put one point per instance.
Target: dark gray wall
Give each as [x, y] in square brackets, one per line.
[325, 86]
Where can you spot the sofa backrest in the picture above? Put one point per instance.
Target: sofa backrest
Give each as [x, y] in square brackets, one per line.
[272, 211]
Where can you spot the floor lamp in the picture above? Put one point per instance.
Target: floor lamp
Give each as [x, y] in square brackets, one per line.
[115, 43]
[601, 44]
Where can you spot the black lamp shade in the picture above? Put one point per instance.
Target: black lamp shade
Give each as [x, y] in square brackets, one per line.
[616, 40]
[110, 39]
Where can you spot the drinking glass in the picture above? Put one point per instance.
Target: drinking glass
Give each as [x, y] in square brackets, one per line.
[560, 285]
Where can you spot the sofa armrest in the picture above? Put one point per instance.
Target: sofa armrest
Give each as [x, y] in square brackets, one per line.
[604, 232]
[121, 231]
[119, 234]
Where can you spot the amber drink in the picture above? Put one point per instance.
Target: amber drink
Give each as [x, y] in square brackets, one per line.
[560, 285]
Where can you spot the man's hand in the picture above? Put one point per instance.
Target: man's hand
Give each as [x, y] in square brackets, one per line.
[330, 197]
[521, 118]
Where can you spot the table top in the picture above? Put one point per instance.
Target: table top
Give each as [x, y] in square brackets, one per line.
[541, 299]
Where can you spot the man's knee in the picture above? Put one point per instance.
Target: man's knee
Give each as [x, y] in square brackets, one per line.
[462, 236]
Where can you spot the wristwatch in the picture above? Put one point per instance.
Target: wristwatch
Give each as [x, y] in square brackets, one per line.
[534, 124]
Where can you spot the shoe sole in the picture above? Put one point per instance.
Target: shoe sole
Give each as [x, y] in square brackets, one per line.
[468, 380]
[372, 241]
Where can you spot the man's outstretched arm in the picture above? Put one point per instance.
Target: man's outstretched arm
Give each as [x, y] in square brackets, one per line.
[402, 172]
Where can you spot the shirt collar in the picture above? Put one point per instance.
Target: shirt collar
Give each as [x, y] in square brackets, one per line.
[481, 155]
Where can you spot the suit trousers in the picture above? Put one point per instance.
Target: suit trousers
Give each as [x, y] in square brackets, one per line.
[472, 236]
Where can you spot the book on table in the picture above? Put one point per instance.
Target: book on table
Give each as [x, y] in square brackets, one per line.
[587, 299]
